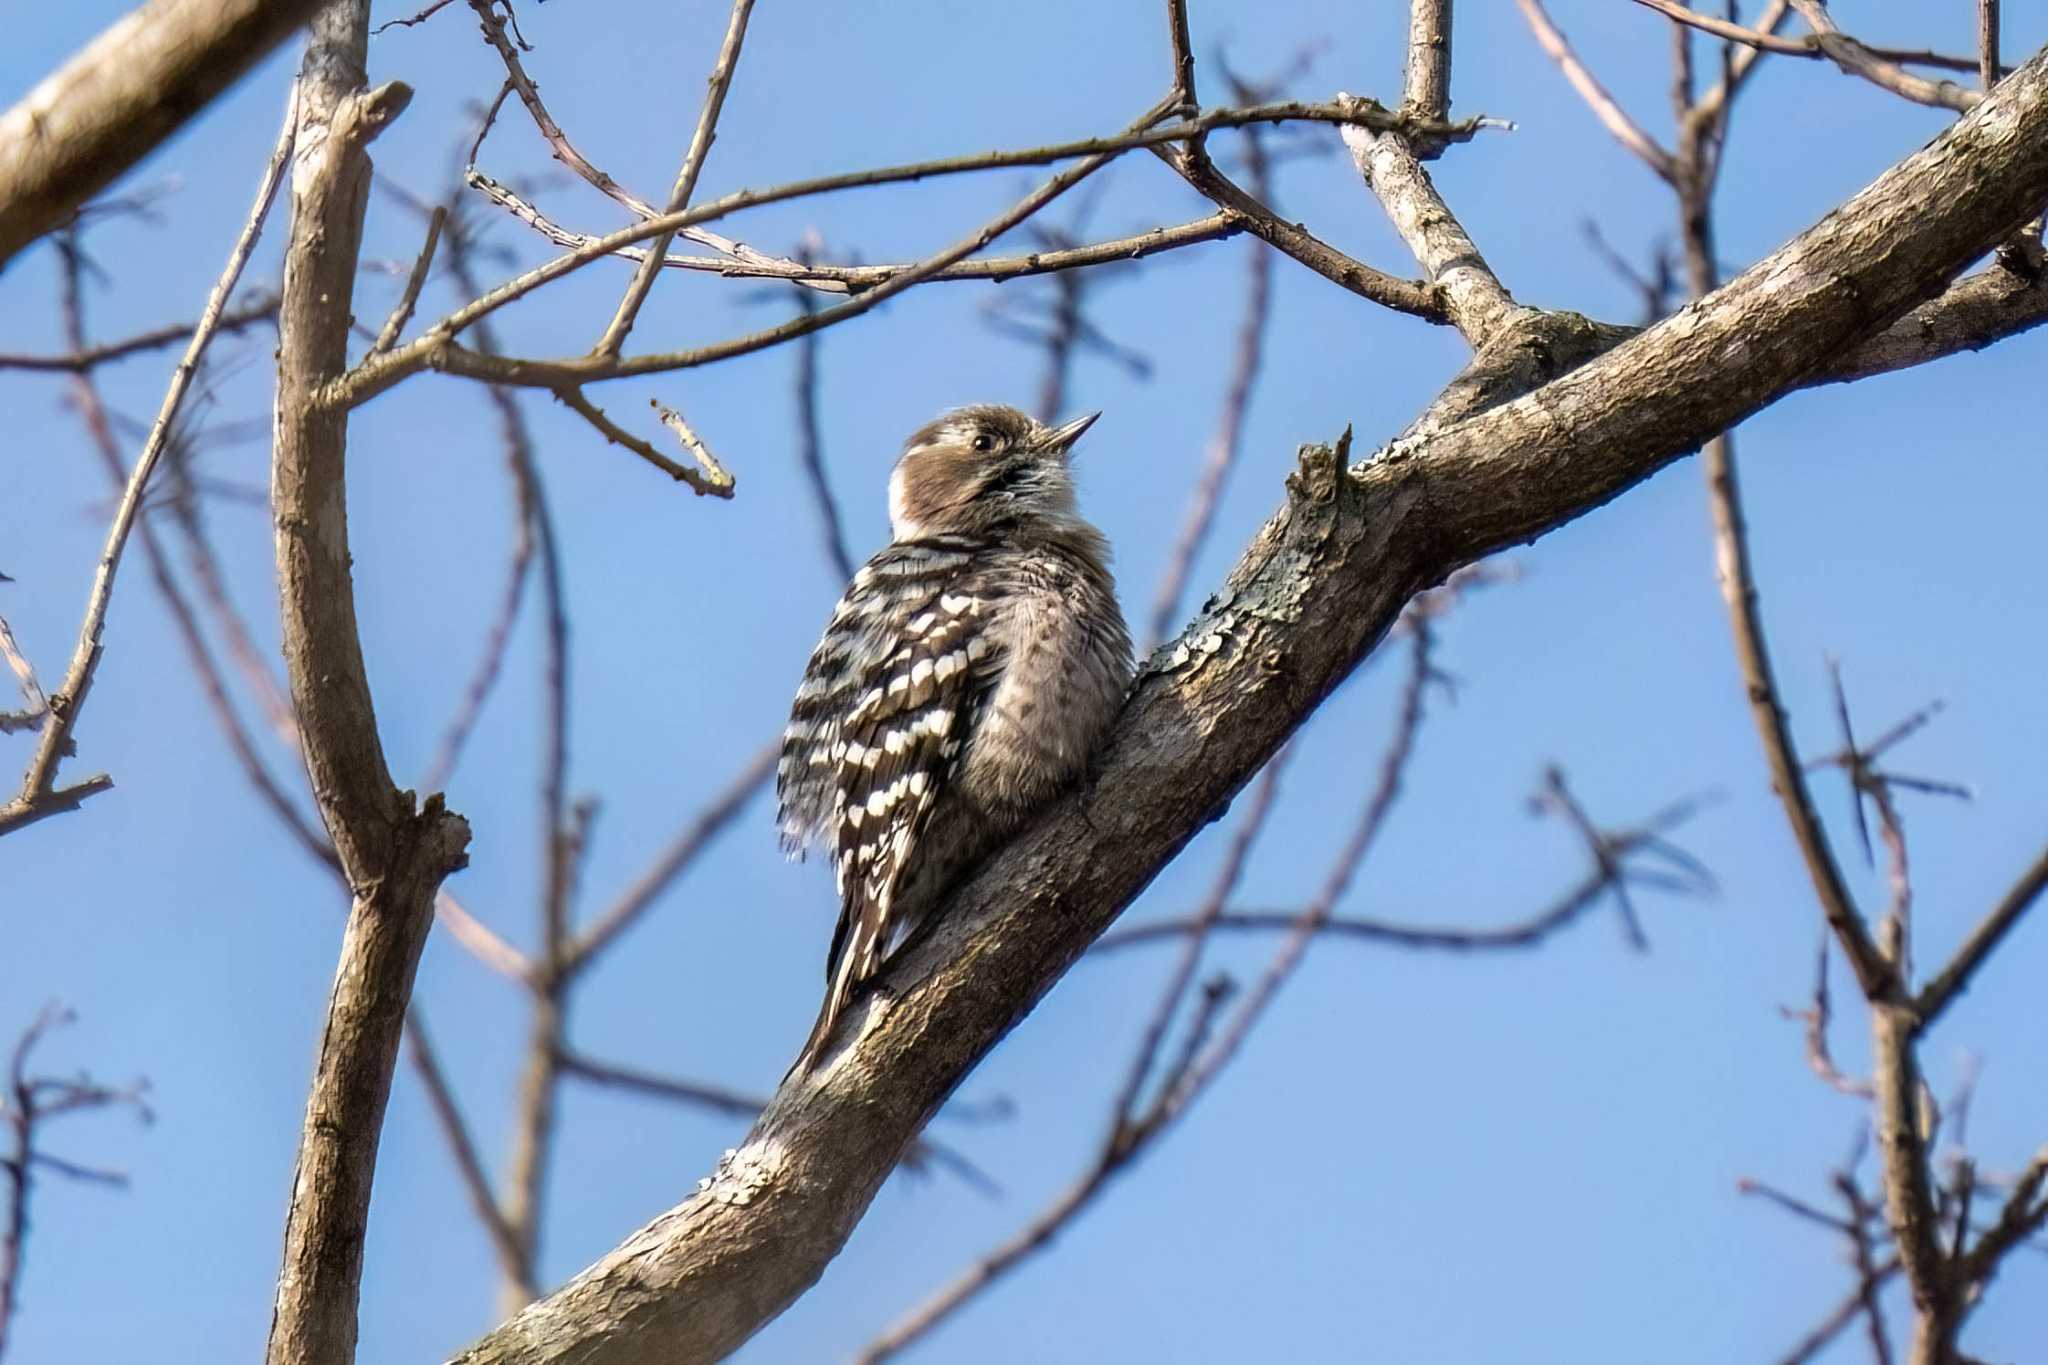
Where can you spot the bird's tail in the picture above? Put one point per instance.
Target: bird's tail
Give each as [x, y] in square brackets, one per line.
[866, 928]
[840, 987]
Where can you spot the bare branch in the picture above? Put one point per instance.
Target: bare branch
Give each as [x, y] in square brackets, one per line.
[1795, 1206]
[1228, 439]
[1987, 43]
[851, 279]
[1318, 588]
[1865, 1261]
[1853, 1306]
[513, 1260]
[1881, 68]
[811, 442]
[1473, 298]
[2025, 1213]
[1221, 888]
[1857, 59]
[1819, 1056]
[733, 1104]
[686, 180]
[28, 1104]
[1954, 979]
[1605, 107]
[131, 88]
[436, 348]
[717, 1099]
[1738, 587]
[1426, 88]
[1902, 1137]
[713, 474]
[394, 859]
[401, 312]
[433, 8]
[718, 813]
[572, 397]
[261, 309]
[68, 701]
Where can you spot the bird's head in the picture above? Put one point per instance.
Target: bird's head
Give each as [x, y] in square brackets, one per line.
[980, 469]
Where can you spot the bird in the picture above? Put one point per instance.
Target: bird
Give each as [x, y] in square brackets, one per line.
[966, 676]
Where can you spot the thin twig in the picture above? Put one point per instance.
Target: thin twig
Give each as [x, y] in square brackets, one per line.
[401, 312]
[1987, 43]
[37, 796]
[2024, 1213]
[261, 309]
[1605, 107]
[1852, 1306]
[517, 81]
[851, 279]
[1858, 59]
[1737, 577]
[574, 399]
[28, 1103]
[1131, 1133]
[1953, 979]
[1819, 1056]
[735, 1104]
[429, 12]
[1221, 888]
[1228, 439]
[710, 470]
[436, 345]
[1881, 67]
[1711, 109]
[712, 820]
[1794, 1205]
[1865, 1261]
[513, 1262]
[565, 375]
[811, 441]
[686, 179]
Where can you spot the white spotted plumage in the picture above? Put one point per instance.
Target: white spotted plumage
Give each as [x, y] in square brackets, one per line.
[968, 672]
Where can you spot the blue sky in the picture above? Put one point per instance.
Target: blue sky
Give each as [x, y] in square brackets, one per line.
[1424, 1159]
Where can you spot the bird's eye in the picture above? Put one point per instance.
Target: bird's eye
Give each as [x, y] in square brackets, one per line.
[984, 442]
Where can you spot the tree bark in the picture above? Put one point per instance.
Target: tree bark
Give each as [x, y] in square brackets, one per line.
[1315, 592]
[132, 87]
[394, 859]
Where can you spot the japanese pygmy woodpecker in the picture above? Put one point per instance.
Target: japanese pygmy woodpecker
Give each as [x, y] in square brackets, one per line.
[966, 676]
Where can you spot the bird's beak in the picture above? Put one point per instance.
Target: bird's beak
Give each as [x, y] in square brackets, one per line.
[1063, 438]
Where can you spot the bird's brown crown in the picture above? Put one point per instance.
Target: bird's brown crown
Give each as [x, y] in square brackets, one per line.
[980, 469]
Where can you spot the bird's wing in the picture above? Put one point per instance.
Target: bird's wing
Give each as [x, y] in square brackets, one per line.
[897, 727]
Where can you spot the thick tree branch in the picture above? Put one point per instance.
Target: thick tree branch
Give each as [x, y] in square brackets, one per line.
[132, 87]
[394, 859]
[1317, 589]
